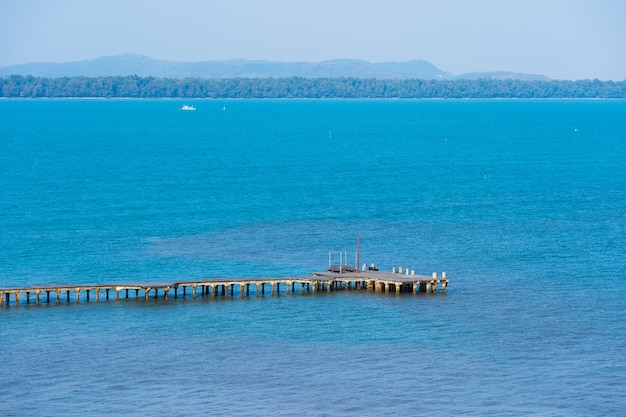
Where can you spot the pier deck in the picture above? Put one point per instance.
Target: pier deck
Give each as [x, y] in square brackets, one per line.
[375, 281]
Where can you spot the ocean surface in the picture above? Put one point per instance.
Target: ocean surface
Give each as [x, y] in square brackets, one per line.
[522, 203]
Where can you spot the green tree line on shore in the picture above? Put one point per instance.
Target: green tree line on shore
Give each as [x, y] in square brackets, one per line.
[17, 86]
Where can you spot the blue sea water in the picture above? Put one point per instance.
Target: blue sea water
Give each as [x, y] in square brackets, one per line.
[522, 203]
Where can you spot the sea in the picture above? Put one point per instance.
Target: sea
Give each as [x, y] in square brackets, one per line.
[521, 202]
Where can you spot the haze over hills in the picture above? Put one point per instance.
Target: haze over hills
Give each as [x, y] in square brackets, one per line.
[134, 64]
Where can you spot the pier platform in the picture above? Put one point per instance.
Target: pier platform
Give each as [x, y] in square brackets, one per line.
[373, 281]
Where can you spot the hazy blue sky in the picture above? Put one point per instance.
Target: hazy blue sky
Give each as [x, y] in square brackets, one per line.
[564, 39]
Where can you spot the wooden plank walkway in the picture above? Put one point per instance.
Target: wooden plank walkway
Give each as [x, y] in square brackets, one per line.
[375, 281]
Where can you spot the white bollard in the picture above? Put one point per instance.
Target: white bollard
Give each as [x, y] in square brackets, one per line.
[443, 275]
[399, 270]
[412, 271]
[393, 271]
[434, 275]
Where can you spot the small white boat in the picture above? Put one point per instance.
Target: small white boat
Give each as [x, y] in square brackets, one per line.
[188, 108]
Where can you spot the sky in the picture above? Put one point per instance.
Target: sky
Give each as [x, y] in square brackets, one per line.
[562, 39]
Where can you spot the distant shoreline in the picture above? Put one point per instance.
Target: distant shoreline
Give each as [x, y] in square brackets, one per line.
[135, 87]
[188, 99]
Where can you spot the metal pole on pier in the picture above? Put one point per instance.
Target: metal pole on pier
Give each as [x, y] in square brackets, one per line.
[340, 262]
[358, 253]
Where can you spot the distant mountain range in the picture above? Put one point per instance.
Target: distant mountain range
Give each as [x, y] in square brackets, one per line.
[502, 75]
[133, 64]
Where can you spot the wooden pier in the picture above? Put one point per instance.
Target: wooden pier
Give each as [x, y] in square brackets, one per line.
[373, 281]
